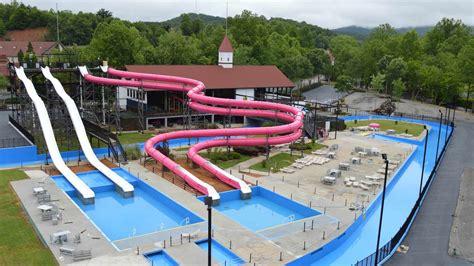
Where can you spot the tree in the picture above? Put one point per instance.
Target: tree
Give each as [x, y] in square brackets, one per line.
[466, 67]
[4, 83]
[396, 70]
[3, 30]
[378, 82]
[318, 59]
[197, 25]
[343, 83]
[104, 14]
[20, 56]
[120, 44]
[449, 35]
[296, 67]
[398, 88]
[185, 25]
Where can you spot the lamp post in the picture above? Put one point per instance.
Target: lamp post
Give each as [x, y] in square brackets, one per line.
[424, 158]
[447, 125]
[208, 202]
[384, 156]
[337, 119]
[439, 134]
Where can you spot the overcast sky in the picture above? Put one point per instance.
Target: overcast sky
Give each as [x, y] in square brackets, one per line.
[325, 13]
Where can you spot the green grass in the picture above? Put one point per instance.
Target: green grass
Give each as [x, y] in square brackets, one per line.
[400, 127]
[181, 148]
[224, 164]
[314, 147]
[134, 137]
[19, 244]
[276, 162]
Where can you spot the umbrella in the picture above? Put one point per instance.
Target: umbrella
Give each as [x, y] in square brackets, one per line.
[374, 125]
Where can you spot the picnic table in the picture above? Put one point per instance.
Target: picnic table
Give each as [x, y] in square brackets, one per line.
[344, 166]
[38, 190]
[60, 236]
[45, 208]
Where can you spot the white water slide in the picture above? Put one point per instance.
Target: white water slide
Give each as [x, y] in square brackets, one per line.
[121, 185]
[83, 191]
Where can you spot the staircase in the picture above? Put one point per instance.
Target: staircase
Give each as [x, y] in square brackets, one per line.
[108, 138]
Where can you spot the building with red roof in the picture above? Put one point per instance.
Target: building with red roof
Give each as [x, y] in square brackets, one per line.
[224, 80]
[10, 49]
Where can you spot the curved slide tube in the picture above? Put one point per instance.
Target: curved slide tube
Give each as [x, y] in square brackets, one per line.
[122, 186]
[200, 102]
[83, 191]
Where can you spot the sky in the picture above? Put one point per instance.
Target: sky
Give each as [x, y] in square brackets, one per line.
[325, 13]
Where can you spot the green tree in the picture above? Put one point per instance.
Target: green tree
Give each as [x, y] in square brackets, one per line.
[3, 29]
[296, 67]
[319, 60]
[378, 82]
[4, 83]
[449, 35]
[343, 83]
[185, 25]
[398, 88]
[197, 25]
[396, 70]
[174, 48]
[120, 44]
[466, 66]
[20, 56]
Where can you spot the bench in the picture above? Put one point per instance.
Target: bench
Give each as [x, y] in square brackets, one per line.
[67, 250]
[82, 255]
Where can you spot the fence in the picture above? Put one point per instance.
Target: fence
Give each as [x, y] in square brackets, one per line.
[13, 142]
[386, 250]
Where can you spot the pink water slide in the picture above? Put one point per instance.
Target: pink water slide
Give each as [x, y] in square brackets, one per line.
[194, 89]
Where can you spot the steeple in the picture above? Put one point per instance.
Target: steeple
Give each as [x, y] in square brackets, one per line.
[226, 52]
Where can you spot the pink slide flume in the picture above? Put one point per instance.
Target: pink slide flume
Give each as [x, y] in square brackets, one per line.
[220, 106]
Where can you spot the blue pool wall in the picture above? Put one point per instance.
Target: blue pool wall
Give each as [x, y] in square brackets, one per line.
[28, 155]
[268, 194]
[149, 256]
[178, 208]
[315, 255]
[235, 258]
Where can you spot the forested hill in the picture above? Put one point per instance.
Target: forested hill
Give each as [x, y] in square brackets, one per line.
[206, 19]
[361, 33]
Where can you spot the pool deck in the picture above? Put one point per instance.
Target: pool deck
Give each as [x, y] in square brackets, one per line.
[73, 220]
[291, 240]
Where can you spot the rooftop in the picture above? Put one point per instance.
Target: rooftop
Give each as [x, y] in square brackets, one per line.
[11, 48]
[217, 77]
[226, 46]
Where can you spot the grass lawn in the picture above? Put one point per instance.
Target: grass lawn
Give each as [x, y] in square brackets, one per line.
[134, 137]
[181, 148]
[315, 146]
[277, 161]
[400, 127]
[19, 244]
[224, 164]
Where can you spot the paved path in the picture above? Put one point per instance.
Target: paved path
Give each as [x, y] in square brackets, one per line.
[429, 235]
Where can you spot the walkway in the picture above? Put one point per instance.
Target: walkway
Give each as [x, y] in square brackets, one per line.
[429, 236]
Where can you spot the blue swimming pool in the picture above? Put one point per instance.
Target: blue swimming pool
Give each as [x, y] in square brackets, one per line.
[220, 253]
[160, 258]
[359, 240]
[147, 211]
[263, 210]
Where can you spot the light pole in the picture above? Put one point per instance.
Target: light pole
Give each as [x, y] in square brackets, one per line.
[424, 158]
[208, 202]
[447, 125]
[384, 156]
[439, 134]
[337, 119]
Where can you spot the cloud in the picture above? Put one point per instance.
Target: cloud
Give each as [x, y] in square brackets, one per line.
[325, 13]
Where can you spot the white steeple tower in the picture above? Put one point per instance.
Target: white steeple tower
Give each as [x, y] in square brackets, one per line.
[226, 53]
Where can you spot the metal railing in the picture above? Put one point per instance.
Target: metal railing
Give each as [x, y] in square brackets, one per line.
[13, 142]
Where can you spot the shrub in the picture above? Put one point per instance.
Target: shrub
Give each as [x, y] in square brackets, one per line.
[133, 152]
[249, 150]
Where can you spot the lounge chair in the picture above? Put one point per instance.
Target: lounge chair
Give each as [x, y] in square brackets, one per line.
[355, 184]
[191, 235]
[67, 250]
[364, 187]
